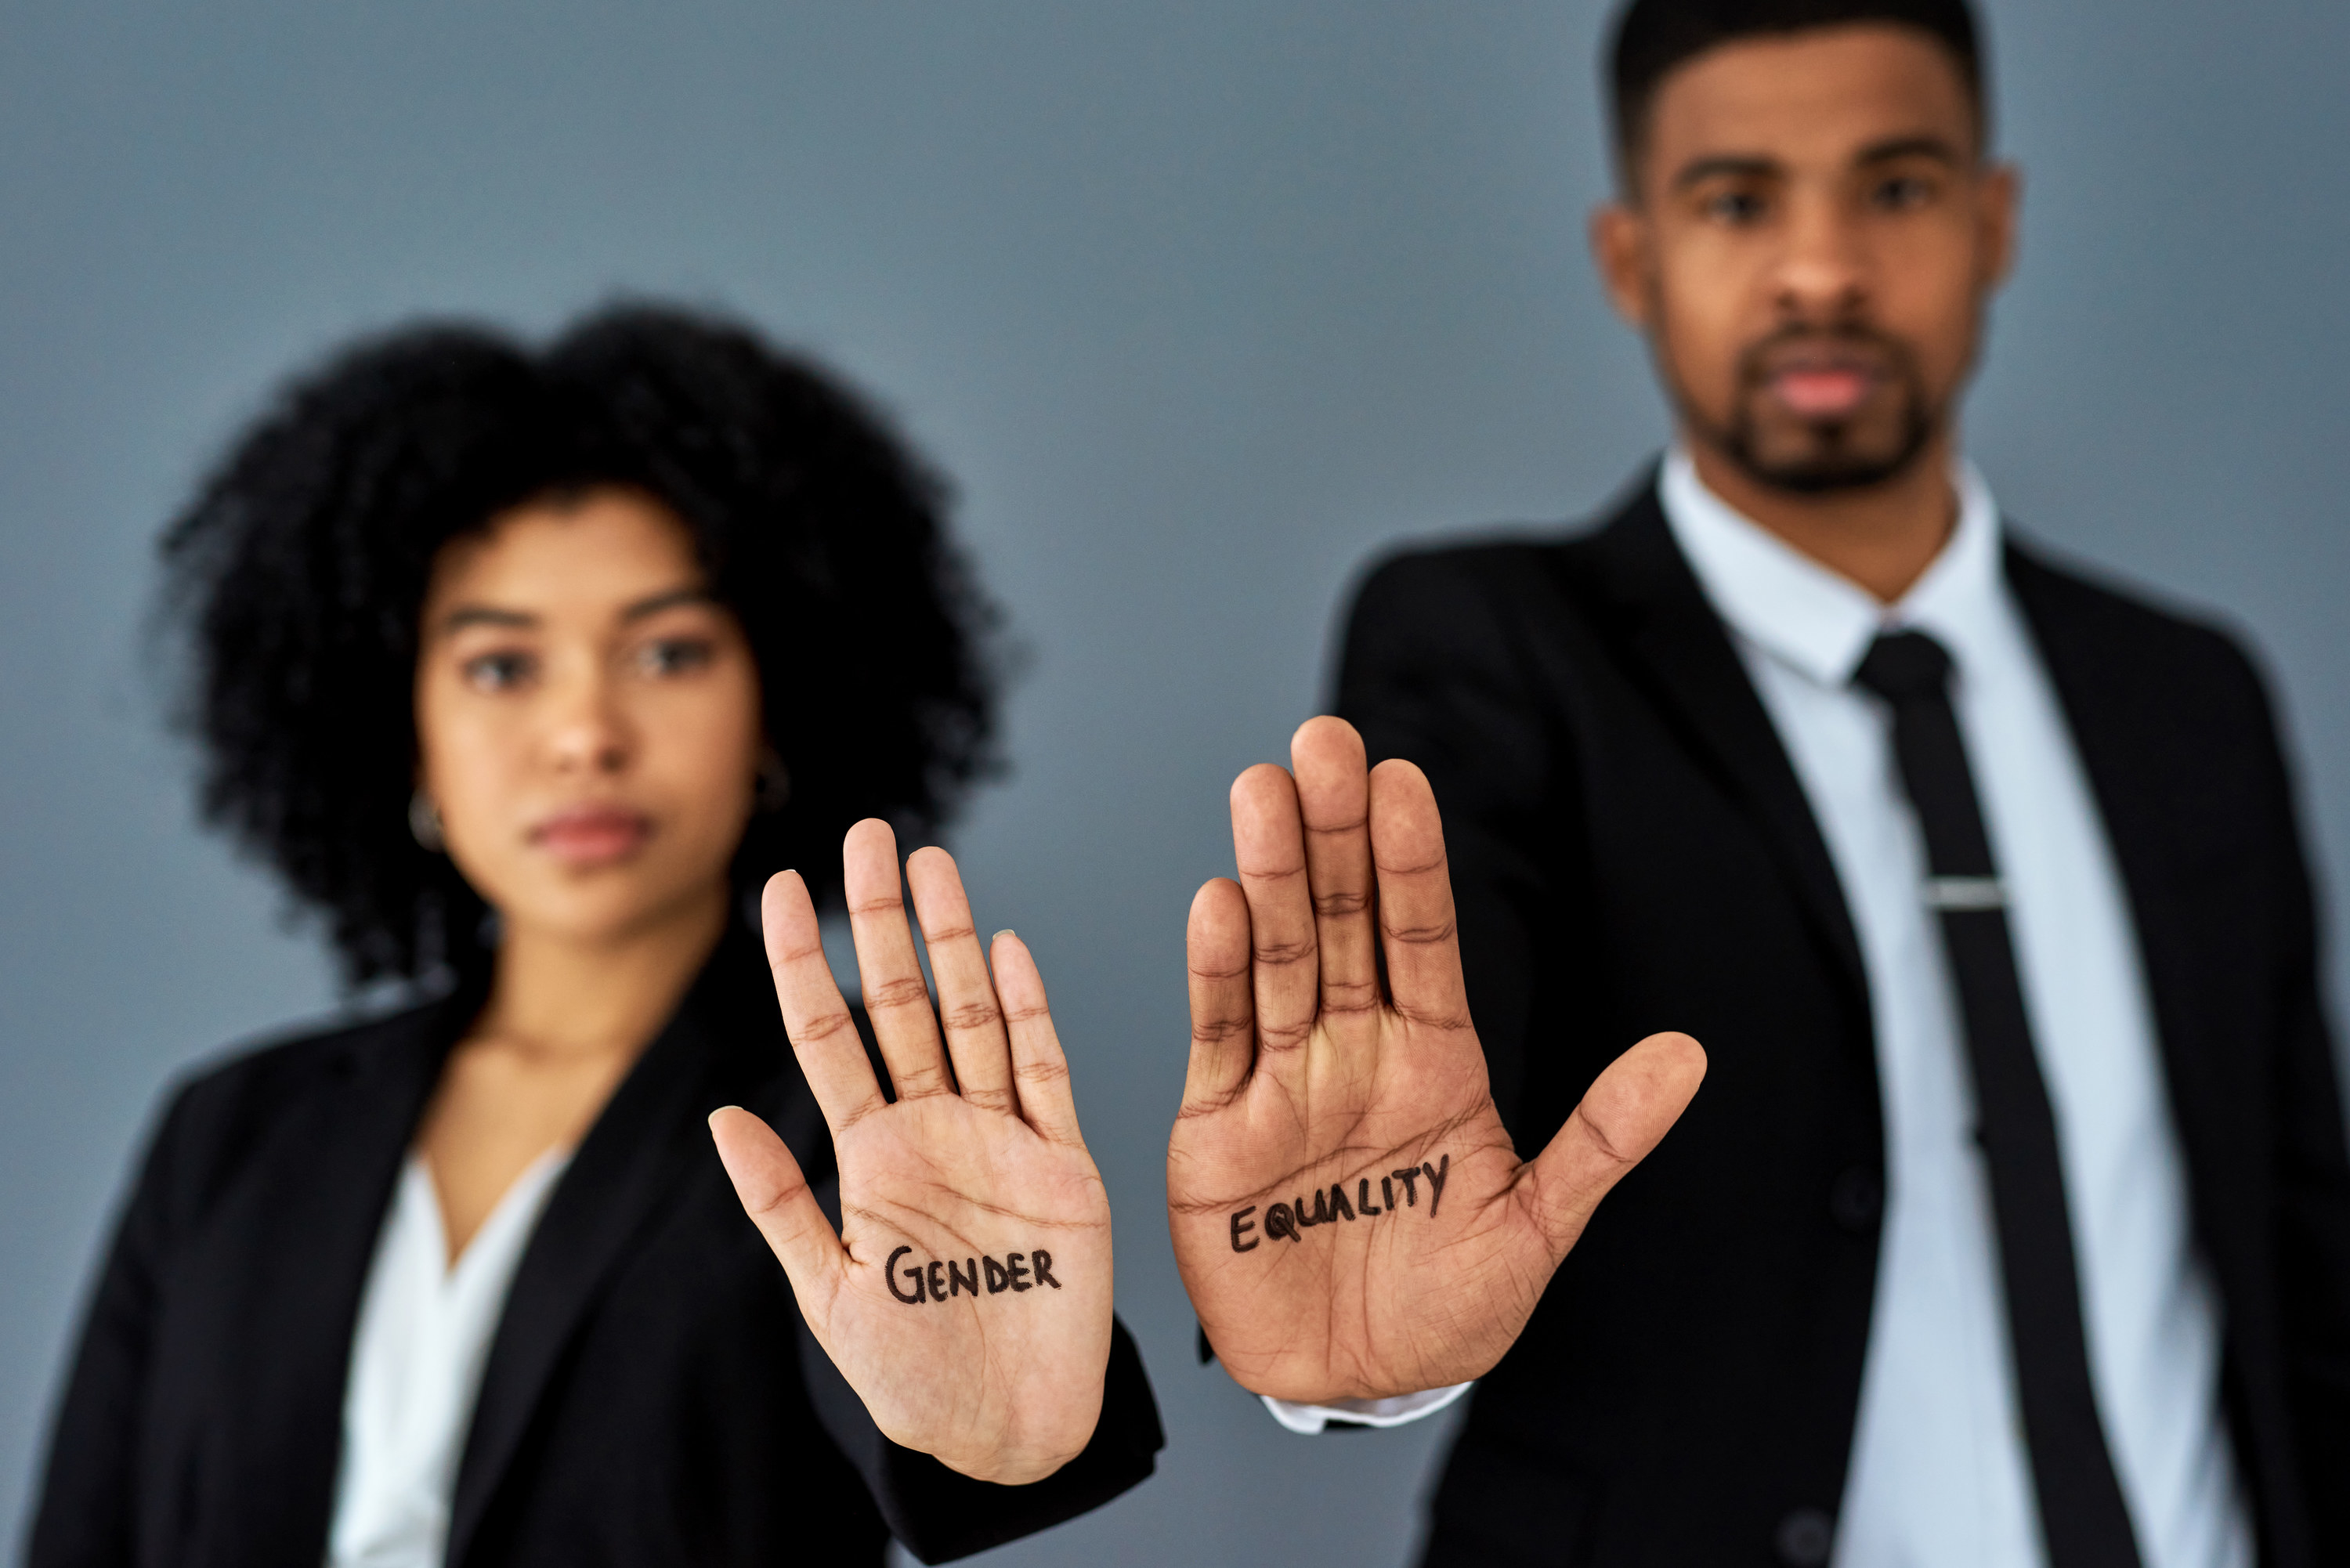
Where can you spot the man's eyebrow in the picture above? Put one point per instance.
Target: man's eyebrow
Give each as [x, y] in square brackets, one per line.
[1755, 166]
[1748, 165]
[1922, 145]
[464, 616]
[659, 602]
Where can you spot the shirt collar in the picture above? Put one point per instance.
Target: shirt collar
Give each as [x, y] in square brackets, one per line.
[1802, 612]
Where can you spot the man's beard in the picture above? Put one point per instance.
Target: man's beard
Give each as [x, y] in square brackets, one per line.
[1835, 454]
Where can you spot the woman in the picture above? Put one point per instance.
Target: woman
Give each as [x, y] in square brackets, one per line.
[521, 669]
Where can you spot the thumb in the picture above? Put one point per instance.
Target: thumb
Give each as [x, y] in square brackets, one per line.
[776, 1197]
[1621, 1117]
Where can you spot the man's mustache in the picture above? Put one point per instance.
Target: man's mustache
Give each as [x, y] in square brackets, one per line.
[1858, 348]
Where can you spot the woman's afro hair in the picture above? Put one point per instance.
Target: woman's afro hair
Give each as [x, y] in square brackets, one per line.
[299, 571]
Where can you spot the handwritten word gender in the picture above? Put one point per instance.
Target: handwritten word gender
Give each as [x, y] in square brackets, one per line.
[943, 1279]
[1285, 1221]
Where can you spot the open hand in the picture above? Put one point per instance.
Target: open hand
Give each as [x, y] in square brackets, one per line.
[967, 1298]
[1348, 1214]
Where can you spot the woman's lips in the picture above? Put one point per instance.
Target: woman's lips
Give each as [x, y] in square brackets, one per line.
[592, 835]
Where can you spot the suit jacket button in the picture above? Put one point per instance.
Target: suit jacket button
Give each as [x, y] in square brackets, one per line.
[1854, 1198]
[1804, 1538]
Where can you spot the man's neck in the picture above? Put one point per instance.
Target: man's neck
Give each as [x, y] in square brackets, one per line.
[1882, 537]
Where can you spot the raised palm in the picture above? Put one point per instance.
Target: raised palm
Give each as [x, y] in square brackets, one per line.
[967, 1296]
[1348, 1214]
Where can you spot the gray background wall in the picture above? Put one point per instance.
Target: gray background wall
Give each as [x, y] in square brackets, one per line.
[1202, 304]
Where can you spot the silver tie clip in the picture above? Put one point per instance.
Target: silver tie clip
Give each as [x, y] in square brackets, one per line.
[1946, 893]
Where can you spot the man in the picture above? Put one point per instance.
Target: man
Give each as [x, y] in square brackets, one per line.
[2011, 1225]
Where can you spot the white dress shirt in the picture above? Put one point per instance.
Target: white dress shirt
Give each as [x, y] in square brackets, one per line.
[423, 1336]
[1940, 1475]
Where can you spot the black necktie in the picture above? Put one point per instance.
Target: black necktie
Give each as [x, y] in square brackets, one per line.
[2081, 1515]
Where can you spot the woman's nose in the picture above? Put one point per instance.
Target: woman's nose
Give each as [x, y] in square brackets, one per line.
[590, 735]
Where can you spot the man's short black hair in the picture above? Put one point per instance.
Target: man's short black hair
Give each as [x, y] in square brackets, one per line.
[1654, 37]
[297, 573]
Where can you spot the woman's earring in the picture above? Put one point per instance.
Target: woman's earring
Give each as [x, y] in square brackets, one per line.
[775, 780]
[424, 822]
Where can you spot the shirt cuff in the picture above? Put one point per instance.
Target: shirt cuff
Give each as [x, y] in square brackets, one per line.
[1401, 1410]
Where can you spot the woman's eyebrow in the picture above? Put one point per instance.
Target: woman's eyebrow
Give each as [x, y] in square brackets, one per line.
[655, 604]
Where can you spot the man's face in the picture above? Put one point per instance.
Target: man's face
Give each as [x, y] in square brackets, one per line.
[1811, 241]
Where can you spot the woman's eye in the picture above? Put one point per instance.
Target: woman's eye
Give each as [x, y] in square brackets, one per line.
[497, 671]
[674, 656]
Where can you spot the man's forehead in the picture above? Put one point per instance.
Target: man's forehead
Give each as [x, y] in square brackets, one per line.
[1823, 96]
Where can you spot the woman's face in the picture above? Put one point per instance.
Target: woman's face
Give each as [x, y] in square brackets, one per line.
[586, 717]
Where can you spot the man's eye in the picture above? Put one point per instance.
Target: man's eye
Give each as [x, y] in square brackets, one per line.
[674, 656]
[497, 671]
[1902, 193]
[1735, 207]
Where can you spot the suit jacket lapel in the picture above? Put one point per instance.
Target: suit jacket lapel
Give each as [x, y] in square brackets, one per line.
[1674, 636]
[320, 1197]
[646, 1143]
[2119, 731]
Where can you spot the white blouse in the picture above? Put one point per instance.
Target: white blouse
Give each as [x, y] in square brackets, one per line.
[423, 1336]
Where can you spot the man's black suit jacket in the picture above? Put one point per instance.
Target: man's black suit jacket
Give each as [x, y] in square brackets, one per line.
[1631, 852]
[651, 1396]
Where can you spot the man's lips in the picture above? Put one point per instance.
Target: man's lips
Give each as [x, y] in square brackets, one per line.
[1822, 391]
[592, 835]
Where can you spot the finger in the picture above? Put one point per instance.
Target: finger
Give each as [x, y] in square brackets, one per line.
[1415, 899]
[776, 1197]
[1269, 843]
[1621, 1119]
[1333, 800]
[824, 1036]
[1223, 1011]
[896, 998]
[967, 1005]
[1041, 1071]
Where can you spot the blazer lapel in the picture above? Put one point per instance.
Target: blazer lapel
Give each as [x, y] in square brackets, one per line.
[317, 1199]
[1673, 636]
[2118, 727]
[646, 1143]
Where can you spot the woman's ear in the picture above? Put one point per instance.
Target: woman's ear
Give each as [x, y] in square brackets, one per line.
[424, 823]
[774, 780]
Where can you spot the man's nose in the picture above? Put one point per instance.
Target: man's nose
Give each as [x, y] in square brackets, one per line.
[1823, 272]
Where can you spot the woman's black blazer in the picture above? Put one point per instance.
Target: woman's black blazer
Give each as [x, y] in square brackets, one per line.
[651, 1396]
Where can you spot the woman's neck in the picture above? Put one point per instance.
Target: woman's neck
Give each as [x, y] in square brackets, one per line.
[553, 994]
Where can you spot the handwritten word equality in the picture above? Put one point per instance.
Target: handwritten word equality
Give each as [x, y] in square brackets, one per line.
[1286, 1219]
[942, 1278]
